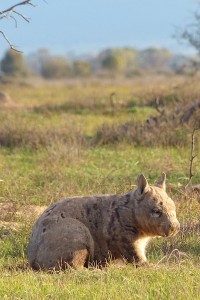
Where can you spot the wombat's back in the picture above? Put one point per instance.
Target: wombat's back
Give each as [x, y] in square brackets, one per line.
[85, 209]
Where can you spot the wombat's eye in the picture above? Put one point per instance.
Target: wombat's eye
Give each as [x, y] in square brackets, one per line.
[156, 213]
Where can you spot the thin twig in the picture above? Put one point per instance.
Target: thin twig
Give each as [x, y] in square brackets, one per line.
[10, 9]
[14, 20]
[9, 43]
[192, 157]
[21, 15]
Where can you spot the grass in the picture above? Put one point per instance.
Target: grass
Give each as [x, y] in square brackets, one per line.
[149, 283]
[49, 150]
[42, 176]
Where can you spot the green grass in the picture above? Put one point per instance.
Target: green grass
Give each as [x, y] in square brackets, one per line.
[173, 282]
[48, 152]
[43, 176]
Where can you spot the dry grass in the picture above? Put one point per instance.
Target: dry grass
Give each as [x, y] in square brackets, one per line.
[141, 134]
[47, 152]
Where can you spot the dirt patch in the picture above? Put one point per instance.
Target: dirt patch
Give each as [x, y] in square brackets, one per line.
[5, 100]
[30, 211]
[13, 216]
[6, 228]
[9, 210]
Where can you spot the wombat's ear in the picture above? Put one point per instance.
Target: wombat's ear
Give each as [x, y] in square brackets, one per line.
[142, 184]
[162, 182]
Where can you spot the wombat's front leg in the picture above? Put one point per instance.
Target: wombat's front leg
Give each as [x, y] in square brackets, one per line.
[132, 254]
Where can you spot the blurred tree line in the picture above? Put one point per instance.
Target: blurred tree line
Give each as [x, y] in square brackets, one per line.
[125, 61]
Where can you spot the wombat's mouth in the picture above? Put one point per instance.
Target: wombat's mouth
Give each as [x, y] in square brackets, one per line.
[169, 231]
[174, 233]
[167, 234]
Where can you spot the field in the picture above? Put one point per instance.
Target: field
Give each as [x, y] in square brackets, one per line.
[94, 137]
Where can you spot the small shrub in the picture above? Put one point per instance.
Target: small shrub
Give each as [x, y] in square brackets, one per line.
[34, 137]
[142, 134]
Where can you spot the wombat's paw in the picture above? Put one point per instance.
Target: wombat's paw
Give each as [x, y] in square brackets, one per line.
[142, 264]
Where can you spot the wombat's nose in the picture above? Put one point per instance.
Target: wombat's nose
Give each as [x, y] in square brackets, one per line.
[174, 227]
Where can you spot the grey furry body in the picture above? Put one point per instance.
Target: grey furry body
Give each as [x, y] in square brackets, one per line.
[92, 230]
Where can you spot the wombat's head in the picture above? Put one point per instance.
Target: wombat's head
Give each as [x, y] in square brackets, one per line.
[155, 210]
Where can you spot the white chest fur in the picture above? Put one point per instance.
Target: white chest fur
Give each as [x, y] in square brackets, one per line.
[140, 246]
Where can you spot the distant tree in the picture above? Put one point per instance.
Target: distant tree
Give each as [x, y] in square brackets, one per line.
[154, 58]
[192, 33]
[118, 59]
[12, 13]
[13, 64]
[180, 64]
[82, 68]
[113, 62]
[55, 67]
[36, 60]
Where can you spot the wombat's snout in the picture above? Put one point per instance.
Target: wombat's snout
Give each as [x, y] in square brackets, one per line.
[173, 228]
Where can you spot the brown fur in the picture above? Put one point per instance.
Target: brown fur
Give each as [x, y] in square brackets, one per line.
[81, 230]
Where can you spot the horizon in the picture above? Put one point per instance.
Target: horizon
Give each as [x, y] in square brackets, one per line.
[91, 27]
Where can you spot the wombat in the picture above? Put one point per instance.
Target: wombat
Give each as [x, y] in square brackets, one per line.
[80, 231]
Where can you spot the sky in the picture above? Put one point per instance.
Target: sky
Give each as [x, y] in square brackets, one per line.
[88, 26]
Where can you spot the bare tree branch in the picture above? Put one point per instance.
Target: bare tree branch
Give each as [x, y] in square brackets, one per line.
[8, 13]
[21, 15]
[14, 20]
[11, 9]
[9, 43]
